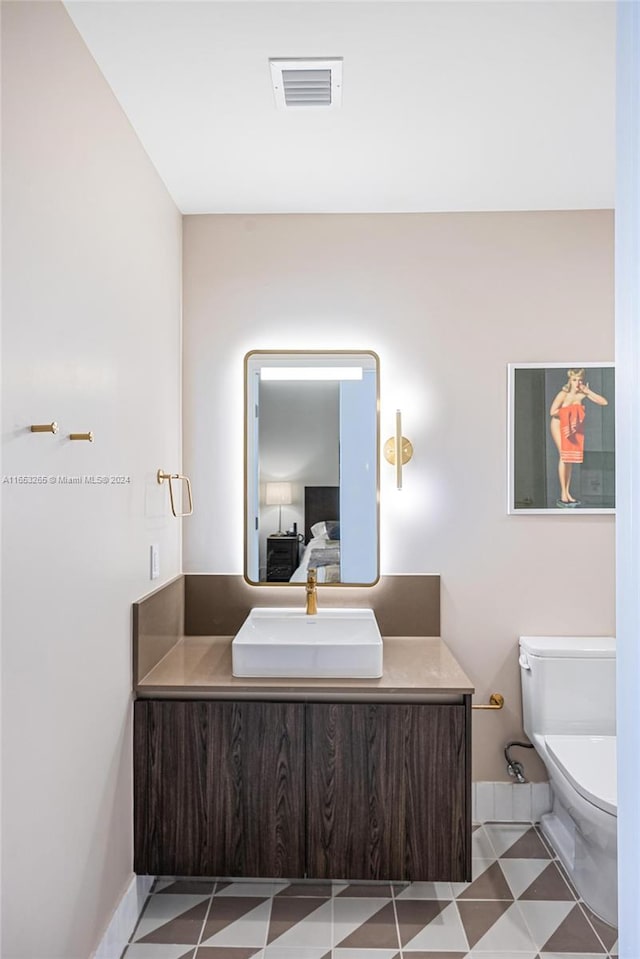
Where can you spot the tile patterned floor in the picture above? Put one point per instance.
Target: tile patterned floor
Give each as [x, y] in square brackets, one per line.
[519, 905]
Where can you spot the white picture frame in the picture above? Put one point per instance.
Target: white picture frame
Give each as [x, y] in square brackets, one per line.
[562, 463]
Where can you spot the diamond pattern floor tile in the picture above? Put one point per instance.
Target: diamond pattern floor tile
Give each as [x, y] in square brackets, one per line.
[481, 845]
[490, 885]
[443, 932]
[237, 922]
[350, 915]
[568, 955]
[354, 890]
[479, 917]
[304, 952]
[159, 951]
[574, 934]
[436, 955]
[478, 867]
[548, 886]
[172, 919]
[519, 905]
[365, 954]
[515, 841]
[414, 915]
[183, 887]
[522, 873]
[228, 952]
[303, 889]
[607, 934]
[508, 933]
[251, 889]
[378, 932]
[313, 928]
[425, 890]
[505, 955]
[290, 912]
[543, 918]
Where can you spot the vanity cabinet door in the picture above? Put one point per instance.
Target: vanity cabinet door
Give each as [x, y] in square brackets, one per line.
[387, 792]
[437, 799]
[219, 788]
[354, 805]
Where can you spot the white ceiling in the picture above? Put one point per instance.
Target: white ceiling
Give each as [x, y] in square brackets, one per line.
[447, 106]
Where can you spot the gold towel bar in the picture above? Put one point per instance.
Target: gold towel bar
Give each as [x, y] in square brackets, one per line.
[161, 476]
[496, 701]
[45, 428]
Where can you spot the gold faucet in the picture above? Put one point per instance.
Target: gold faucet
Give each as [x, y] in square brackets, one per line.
[310, 589]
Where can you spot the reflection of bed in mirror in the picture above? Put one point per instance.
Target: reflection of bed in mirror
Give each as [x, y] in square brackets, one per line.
[321, 535]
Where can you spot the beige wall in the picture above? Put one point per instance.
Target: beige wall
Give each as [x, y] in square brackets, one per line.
[91, 338]
[447, 301]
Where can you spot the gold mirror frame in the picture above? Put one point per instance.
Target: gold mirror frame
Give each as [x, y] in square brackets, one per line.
[296, 358]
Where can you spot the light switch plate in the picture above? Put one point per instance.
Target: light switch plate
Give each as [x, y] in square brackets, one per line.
[155, 561]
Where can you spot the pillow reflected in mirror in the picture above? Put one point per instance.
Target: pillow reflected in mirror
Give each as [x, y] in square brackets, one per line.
[327, 529]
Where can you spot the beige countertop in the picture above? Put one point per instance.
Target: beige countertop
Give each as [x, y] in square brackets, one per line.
[415, 669]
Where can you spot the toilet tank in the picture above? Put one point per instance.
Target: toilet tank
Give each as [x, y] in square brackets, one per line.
[568, 684]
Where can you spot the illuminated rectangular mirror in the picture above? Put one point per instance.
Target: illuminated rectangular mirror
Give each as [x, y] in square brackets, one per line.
[311, 467]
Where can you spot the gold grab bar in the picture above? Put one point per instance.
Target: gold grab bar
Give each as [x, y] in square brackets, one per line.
[496, 701]
[45, 427]
[161, 476]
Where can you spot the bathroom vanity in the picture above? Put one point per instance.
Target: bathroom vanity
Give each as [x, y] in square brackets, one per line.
[327, 779]
[365, 778]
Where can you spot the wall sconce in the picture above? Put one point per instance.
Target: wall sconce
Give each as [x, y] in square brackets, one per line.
[395, 443]
[278, 494]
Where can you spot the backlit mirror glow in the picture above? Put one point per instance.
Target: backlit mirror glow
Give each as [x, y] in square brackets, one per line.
[311, 467]
[311, 373]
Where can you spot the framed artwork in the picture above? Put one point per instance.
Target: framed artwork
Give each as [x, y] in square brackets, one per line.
[561, 438]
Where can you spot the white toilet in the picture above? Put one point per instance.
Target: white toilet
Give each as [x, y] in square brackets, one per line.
[569, 710]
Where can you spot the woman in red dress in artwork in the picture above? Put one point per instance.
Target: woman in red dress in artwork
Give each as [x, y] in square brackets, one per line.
[567, 429]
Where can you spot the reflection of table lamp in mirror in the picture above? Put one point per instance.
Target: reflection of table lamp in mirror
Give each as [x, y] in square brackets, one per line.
[278, 494]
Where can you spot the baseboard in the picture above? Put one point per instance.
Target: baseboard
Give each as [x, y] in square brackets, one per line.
[124, 919]
[509, 802]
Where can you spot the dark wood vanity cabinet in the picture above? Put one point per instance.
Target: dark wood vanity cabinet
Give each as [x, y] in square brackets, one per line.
[218, 788]
[322, 790]
[387, 792]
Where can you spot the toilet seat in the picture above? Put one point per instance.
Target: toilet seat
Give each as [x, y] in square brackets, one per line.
[589, 763]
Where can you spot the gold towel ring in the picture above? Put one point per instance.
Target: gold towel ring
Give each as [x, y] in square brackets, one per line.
[161, 476]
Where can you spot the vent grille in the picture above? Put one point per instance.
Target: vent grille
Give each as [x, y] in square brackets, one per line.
[307, 83]
[307, 88]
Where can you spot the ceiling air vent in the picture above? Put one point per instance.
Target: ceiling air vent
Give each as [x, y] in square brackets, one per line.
[307, 83]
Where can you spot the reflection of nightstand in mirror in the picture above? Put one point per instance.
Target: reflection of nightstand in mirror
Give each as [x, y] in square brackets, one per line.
[282, 558]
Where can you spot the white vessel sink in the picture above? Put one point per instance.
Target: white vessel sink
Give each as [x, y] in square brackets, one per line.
[332, 644]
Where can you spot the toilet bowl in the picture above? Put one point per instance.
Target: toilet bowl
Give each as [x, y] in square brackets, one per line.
[568, 698]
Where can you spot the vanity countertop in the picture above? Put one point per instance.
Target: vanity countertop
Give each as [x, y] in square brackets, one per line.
[416, 669]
